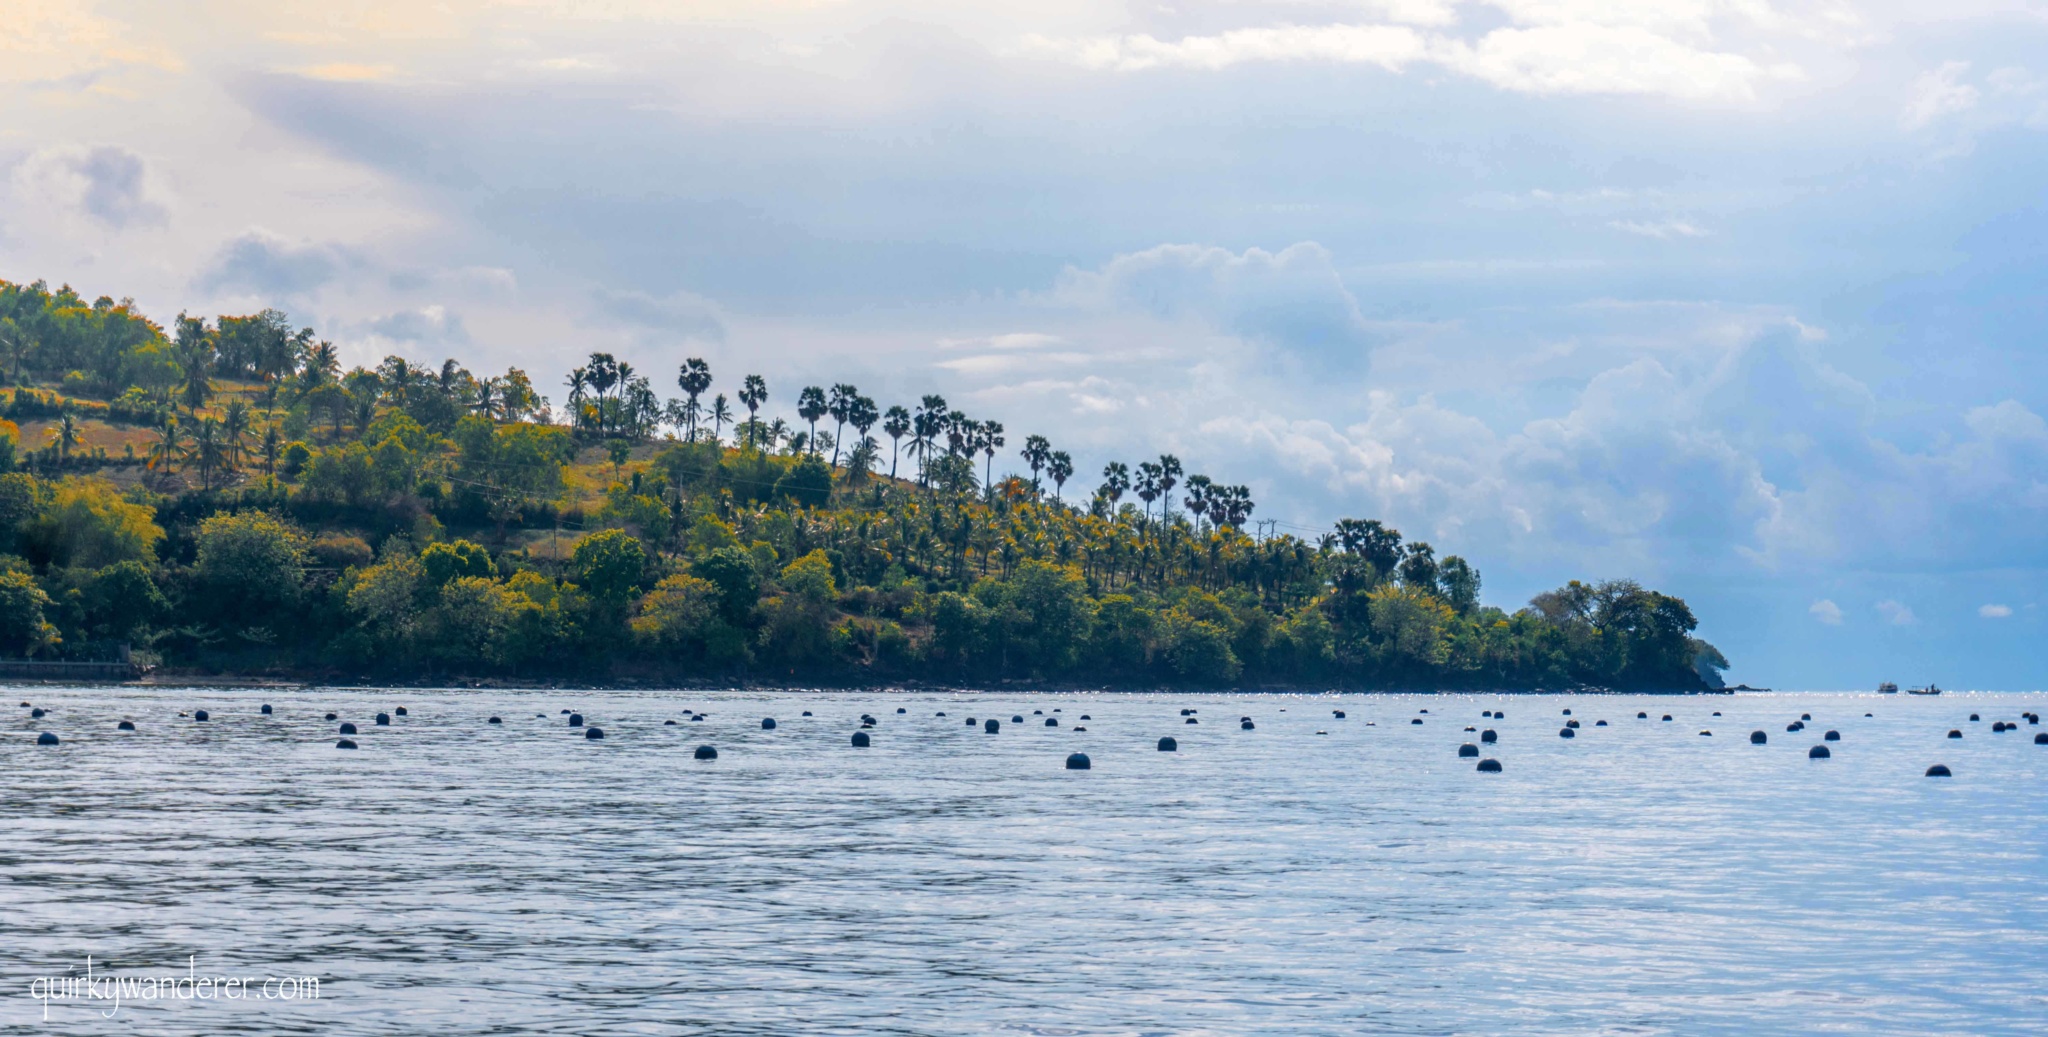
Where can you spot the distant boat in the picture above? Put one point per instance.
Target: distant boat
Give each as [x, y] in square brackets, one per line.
[1887, 688]
[1928, 690]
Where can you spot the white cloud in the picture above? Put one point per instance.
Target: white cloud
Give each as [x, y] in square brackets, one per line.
[1994, 611]
[1827, 612]
[1896, 614]
[267, 264]
[1390, 47]
[1937, 93]
[1661, 229]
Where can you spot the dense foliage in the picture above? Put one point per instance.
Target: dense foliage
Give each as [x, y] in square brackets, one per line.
[222, 495]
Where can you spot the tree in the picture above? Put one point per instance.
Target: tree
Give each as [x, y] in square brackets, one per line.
[234, 427]
[609, 564]
[618, 450]
[251, 564]
[844, 399]
[1037, 453]
[64, 434]
[926, 427]
[1061, 468]
[86, 523]
[1460, 582]
[989, 438]
[733, 572]
[810, 406]
[721, 416]
[1116, 479]
[896, 424]
[694, 379]
[753, 394]
[23, 626]
[447, 561]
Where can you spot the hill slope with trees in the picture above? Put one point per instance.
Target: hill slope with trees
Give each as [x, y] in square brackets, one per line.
[222, 497]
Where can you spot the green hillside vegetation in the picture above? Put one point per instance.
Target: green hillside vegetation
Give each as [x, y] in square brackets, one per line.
[223, 497]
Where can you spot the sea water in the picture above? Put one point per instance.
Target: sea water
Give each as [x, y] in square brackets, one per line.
[1310, 876]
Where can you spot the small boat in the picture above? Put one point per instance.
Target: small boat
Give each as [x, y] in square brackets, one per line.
[1887, 688]
[1928, 690]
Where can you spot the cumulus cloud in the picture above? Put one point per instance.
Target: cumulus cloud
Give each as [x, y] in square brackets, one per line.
[268, 264]
[1827, 612]
[1994, 611]
[1895, 613]
[1937, 93]
[109, 184]
[428, 325]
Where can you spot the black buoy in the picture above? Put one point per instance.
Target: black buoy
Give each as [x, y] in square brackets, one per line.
[1468, 749]
[1017, 719]
[383, 720]
[1667, 717]
[1706, 734]
[1038, 712]
[346, 743]
[1077, 761]
[499, 720]
[1422, 711]
[697, 719]
[593, 733]
[1806, 716]
[1489, 767]
[807, 712]
[705, 752]
[333, 716]
[1566, 732]
[564, 712]
[991, 726]
[767, 723]
[860, 740]
[1085, 716]
[266, 709]
[668, 723]
[401, 711]
[1953, 733]
[37, 713]
[1973, 718]
[46, 738]
[900, 709]
[1832, 736]
[348, 728]
[1498, 715]
[1717, 712]
[1052, 721]
[1939, 770]
[1599, 723]
[1567, 712]
[1794, 726]
[1338, 713]
[2041, 738]
[1183, 712]
[200, 715]
[1488, 736]
[1486, 713]
[1192, 720]
[1759, 738]
[1245, 725]
[940, 713]
[1573, 724]
[125, 725]
[575, 720]
[1417, 720]
[1168, 745]
[971, 721]
[1471, 729]
[1818, 752]
[1642, 716]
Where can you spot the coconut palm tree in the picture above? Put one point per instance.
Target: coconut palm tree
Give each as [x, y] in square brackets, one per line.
[721, 416]
[64, 435]
[208, 450]
[844, 398]
[234, 427]
[164, 453]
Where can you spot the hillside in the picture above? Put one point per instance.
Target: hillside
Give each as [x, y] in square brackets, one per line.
[221, 496]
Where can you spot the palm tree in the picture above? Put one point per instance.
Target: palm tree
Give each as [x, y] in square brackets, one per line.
[1036, 453]
[14, 342]
[844, 398]
[721, 415]
[1061, 468]
[862, 415]
[989, 436]
[810, 406]
[1116, 478]
[926, 427]
[208, 450]
[753, 393]
[896, 424]
[164, 452]
[64, 435]
[1148, 485]
[273, 445]
[235, 426]
[694, 379]
[1169, 475]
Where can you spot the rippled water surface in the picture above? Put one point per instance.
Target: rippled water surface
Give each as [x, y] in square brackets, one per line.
[455, 877]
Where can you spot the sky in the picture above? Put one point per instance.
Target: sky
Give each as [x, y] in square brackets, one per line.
[1744, 299]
